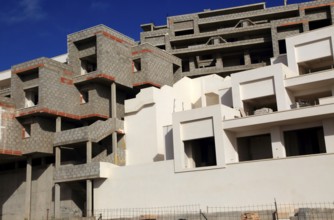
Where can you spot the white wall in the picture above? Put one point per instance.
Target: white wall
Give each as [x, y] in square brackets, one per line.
[260, 83]
[152, 109]
[300, 179]
[309, 46]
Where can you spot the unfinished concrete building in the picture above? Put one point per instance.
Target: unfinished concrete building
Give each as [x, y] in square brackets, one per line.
[234, 39]
[79, 131]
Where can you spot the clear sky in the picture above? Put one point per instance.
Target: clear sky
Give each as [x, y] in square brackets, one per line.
[36, 28]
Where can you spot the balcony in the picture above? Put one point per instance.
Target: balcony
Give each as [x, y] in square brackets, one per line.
[222, 70]
[205, 47]
[95, 170]
[95, 132]
[5, 91]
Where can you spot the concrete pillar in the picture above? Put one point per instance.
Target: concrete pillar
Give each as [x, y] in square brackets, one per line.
[167, 43]
[57, 200]
[192, 63]
[114, 115]
[58, 124]
[113, 102]
[216, 41]
[274, 40]
[277, 145]
[306, 26]
[114, 147]
[88, 152]
[28, 189]
[328, 126]
[219, 60]
[57, 165]
[247, 57]
[332, 13]
[58, 157]
[89, 197]
[196, 28]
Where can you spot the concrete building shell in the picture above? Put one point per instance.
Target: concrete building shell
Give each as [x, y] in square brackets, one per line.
[196, 110]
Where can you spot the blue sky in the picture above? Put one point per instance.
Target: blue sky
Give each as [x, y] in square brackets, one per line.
[34, 28]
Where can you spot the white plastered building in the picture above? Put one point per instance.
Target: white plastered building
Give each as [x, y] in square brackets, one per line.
[260, 134]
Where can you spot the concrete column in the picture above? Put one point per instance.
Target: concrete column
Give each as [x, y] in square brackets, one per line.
[28, 189]
[306, 26]
[57, 200]
[113, 106]
[58, 124]
[219, 60]
[192, 63]
[277, 145]
[167, 43]
[58, 157]
[196, 28]
[328, 126]
[114, 147]
[332, 14]
[57, 165]
[247, 57]
[89, 197]
[114, 115]
[274, 40]
[88, 152]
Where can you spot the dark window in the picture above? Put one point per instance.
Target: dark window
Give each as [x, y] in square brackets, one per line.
[185, 66]
[88, 64]
[319, 24]
[136, 65]
[304, 141]
[254, 147]
[26, 130]
[201, 152]
[282, 47]
[31, 97]
[186, 32]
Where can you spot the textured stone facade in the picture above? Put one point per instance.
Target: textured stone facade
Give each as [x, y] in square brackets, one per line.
[253, 34]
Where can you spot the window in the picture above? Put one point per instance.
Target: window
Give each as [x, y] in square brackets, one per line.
[31, 97]
[26, 131]
[316, 65]
[304, 141]
[254, 147]
[136, 65]
[282, 47]
[84, 96]
[260, 106]
[200, 152]
[185, 32]
[185, 65]
[85, 43]
[29, 75]
[162, 47]
[88, 64]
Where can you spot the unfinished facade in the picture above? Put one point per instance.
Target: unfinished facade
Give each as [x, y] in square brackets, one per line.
[114, 122]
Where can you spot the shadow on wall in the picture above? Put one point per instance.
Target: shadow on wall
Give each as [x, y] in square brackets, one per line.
[13, 191]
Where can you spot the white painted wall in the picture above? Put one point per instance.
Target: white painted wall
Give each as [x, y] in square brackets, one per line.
[302, 179]
[309, 46]
[151, 111]
[259, 83]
